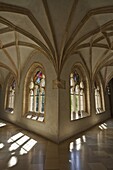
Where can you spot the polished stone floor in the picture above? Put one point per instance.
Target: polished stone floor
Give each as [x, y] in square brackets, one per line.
[22, 150]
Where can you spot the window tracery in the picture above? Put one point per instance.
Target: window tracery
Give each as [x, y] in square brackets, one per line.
[98, 98]
[11, 96]
[36, 96]
[77, 94]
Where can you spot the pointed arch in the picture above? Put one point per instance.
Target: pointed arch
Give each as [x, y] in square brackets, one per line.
[34, 93]
[99, 94]
[10, 94]
[79, 93]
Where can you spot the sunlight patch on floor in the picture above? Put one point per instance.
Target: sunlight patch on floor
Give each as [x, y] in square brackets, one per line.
[1, 145]
[28, 146]
[2, 124]
[15, 137]
[12, 162]
[103, 126]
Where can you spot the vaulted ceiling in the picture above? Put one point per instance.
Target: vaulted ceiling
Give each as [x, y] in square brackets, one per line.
[58, 29]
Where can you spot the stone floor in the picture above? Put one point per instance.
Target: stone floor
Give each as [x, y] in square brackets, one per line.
[22, 150]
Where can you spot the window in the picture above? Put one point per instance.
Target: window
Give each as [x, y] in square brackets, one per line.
[98, 98]
[11, 96]
[77, 95]
[36, 96]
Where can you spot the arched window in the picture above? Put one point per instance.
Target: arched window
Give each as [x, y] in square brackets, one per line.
[36, 95]
[98, 98]
[77, 95]
[98, 104]
[11, 96]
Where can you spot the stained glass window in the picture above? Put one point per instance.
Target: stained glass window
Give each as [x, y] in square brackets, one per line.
[37, 96]
[98, 101]
[77, 96]
[11, 96]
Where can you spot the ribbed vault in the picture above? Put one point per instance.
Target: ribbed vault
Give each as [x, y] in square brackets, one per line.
[58, 29]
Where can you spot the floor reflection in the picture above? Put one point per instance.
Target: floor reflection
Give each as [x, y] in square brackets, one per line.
[20, 150]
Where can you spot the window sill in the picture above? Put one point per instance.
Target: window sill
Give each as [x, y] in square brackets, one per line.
[39, 117]
[10, 110]
[78, 116]
[99, 111]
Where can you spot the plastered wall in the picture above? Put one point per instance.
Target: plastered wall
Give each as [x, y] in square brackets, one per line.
[69, 128]
[49, 128]
[57, 126]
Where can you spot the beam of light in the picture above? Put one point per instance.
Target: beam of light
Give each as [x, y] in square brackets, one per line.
[70, 161]
[71, 146]
[13, 147]
[18, 143]
[29, 116]
[22, 140]
[100, 127]
[15, 137]
[41, 119]
[78, 146]
[84, 138]
[23, 151]
[12, 112]
[2, 124]
[78, 141]
[1, 145]
[28, 146]
[103, 126]
[12, 162]
[34, 118]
